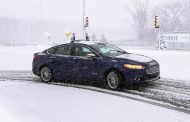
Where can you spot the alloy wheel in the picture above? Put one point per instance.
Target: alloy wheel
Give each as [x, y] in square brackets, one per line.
[113, 80]
[46, 74]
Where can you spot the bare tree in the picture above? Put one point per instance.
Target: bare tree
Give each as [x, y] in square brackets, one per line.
[7, 30]
[139, 12]
[185, 21]
[170, 16]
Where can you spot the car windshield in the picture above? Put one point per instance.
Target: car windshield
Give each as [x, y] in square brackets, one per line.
[108, 49]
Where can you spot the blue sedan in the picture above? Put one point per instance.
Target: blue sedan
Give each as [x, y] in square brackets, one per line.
[94, 61]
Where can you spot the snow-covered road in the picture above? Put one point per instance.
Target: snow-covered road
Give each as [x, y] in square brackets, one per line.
[26, 101]
[173, 94]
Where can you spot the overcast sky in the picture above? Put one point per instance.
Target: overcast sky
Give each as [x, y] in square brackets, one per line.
[104, 15]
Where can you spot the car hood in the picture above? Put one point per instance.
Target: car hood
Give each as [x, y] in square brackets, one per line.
[135, 57]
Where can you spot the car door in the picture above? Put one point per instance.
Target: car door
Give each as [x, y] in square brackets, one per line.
[84, 68]
[61, 62]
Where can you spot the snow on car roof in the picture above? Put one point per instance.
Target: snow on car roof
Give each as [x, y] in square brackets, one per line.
[88, 42]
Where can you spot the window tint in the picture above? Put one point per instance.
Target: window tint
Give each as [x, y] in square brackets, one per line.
[108, 49]
[105, 50]
[81, 51]
[51, 50]
[63, 50]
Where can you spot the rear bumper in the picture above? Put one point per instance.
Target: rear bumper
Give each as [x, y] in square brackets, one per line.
[35, 71]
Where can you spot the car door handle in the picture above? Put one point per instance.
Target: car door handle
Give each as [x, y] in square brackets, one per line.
[74, 58]
[52, 57]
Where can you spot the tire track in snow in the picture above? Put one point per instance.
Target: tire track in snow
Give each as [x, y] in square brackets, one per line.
[172, 95]
[164, 96]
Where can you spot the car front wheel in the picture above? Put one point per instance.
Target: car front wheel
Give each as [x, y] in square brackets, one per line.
[46, 74]
[114, 80]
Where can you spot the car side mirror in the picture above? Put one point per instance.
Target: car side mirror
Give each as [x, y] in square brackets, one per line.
[90, 56]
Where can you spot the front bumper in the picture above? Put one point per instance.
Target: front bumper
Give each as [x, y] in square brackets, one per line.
[150, 73]
[153, 79]
[140, 76]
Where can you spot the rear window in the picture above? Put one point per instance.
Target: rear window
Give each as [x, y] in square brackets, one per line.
[79, 50]
[63, 50]
[51, 50]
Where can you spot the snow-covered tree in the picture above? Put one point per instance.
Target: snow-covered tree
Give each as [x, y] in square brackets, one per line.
[93, 37]
[103, 38]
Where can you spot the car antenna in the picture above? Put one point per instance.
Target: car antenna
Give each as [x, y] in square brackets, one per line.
[87, 38]
[73, 39]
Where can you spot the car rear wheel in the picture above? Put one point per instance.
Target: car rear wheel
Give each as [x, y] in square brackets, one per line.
[113, 79]
[46, 74]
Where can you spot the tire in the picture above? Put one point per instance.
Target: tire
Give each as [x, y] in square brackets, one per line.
[113, 80]
[46, 74]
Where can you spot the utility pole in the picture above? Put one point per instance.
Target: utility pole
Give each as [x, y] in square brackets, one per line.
[31, 31]
[157, 26]
[84, 28]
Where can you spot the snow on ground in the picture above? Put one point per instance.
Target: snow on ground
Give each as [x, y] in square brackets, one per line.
[5, 117]
[37, 102]
[18, 57]
[174, 64]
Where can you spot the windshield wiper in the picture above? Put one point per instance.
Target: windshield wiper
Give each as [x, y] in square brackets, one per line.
[121, 52]
[118, 51]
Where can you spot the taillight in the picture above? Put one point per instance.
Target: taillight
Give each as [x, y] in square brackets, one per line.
[34, 57]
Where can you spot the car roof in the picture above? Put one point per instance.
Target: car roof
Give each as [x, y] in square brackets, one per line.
[81, 42]
[87, 42]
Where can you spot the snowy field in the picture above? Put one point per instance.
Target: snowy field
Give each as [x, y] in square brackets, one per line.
[173, 64]
[22, 101]
[18, 57]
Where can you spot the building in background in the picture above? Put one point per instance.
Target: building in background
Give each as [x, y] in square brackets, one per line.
[176, 40]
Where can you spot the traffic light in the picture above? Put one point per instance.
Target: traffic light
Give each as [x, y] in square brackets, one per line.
[86, 22]
[157, 22]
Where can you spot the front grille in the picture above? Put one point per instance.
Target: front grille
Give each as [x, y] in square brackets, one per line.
[152, 69]
[152, 76]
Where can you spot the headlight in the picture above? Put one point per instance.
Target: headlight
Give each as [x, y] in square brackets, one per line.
[130, 66]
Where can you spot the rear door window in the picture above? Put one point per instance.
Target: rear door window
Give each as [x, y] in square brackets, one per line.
[51, 50]
[81, 51]
[63, 50]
